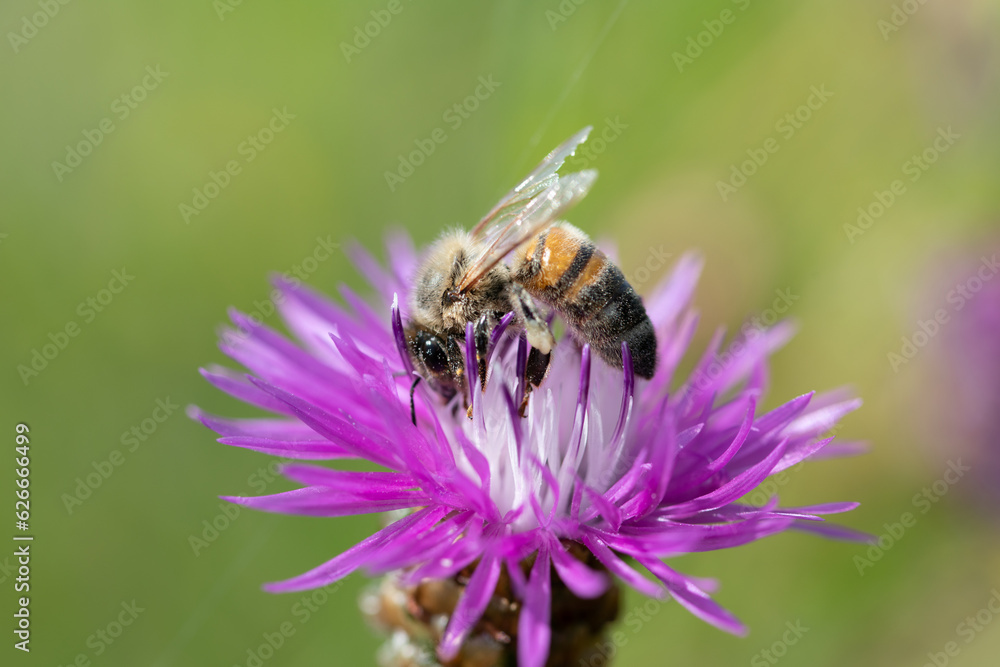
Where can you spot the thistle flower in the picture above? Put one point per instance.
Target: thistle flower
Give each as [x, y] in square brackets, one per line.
[962, 419]
[508, 533]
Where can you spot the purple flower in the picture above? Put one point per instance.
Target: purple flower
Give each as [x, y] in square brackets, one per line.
[634, 471]
[962, 419]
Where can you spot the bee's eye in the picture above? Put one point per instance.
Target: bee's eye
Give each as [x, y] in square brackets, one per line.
[433, 354]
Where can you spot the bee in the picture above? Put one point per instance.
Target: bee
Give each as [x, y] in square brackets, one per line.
[553, 266]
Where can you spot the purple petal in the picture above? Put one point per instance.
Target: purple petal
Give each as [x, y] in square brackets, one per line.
[733, 535]
[783, 415]
[534, 634]
[606, 508]
[821, 420]
[834, 532]
[628, 378]
[836, 450]
[278, 429]
[321, 501]
[693, 598]
[583, 581]
[619, 568]
[402, 255]
[482, 584]
[335, 429]
[497, 334]
[292, 449]
[553, 485]
[400, 337]
[433, 544]
[800, 454]
[370, 268]
[357, 555]
[737, 487]
[826, 508]
[674, 291]
[237, 386]
[366, 315]
[348, 481]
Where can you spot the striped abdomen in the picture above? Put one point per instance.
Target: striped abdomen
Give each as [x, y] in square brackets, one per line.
[563, 268]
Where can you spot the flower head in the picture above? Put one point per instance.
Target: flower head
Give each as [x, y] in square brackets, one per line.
[962, 417]
[621, 470]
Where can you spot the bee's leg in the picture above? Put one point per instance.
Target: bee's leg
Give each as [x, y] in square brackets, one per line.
[413, 407]
[482, 333]
[535, 325]
[535, 371]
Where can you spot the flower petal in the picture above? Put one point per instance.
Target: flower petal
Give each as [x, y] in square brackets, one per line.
[693, 598]
[534, 633]
[357, 555]
[471, 606]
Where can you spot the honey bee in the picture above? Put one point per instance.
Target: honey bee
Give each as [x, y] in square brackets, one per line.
[553, 266]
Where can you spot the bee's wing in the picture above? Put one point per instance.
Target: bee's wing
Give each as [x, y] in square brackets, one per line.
[531, 205]
[542, 177]
[525, 220]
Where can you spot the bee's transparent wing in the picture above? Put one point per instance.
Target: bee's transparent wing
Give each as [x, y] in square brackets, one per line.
[528, 219]
[541, 178]
[531, 205]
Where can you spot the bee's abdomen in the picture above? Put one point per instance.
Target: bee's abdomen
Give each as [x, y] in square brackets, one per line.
[607, 313]
[565, 269]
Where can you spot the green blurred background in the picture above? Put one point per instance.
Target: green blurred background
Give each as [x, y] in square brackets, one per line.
[678, 128]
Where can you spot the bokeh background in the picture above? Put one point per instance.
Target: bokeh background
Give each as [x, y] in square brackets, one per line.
[892, 76]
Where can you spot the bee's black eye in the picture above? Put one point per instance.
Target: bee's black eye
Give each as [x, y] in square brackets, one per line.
[432, 353]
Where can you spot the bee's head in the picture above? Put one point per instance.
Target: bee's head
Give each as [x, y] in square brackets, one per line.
[432, 351]
[436, 297]
[438, 359]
